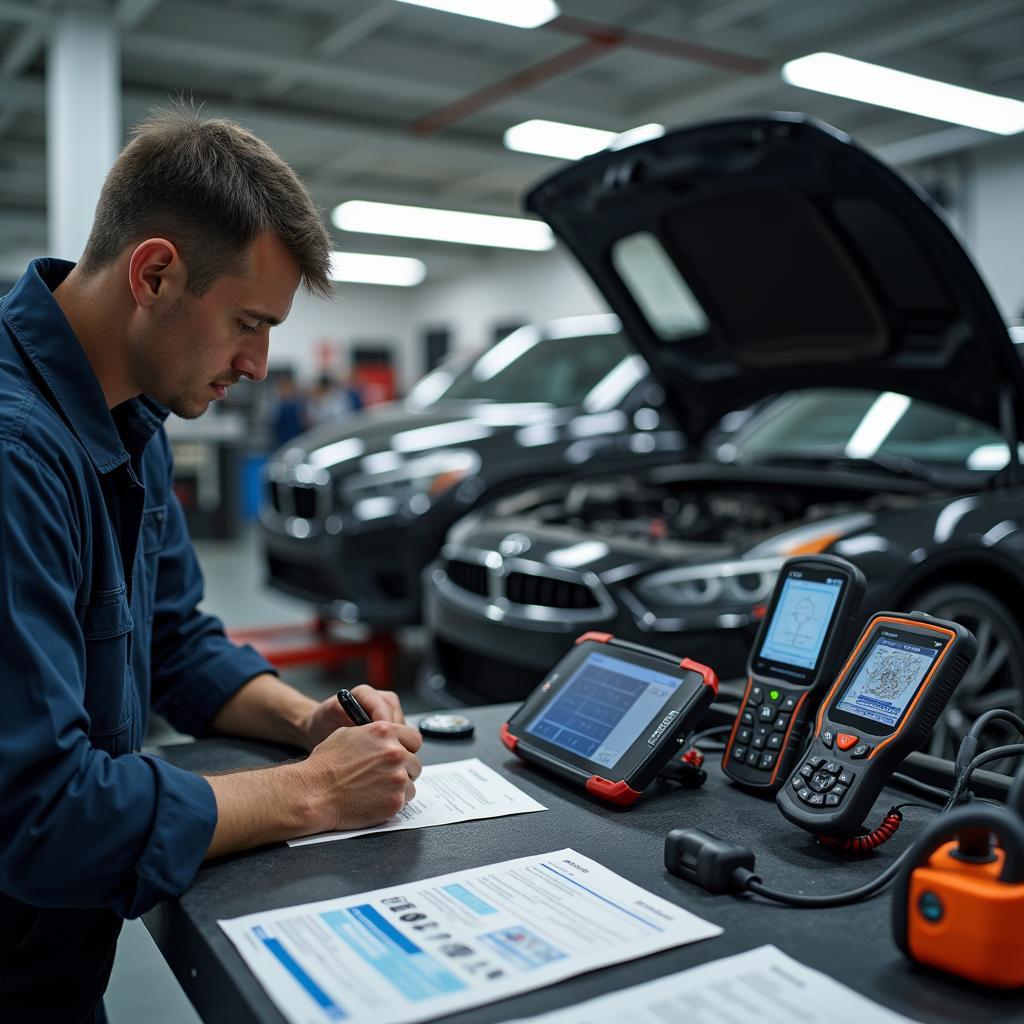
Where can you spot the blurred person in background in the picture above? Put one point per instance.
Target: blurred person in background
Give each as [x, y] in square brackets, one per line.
[289, 409]
[330, 401]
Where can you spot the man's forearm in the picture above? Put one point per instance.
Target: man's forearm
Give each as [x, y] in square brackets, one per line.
[267, 709]
[267, 805]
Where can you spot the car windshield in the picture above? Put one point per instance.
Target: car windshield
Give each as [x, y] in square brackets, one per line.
[885, 428]
[531, 365]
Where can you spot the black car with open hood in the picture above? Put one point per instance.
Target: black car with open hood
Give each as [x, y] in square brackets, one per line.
[764, 261]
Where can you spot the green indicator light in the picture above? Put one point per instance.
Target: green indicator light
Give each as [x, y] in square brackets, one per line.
[774, 694]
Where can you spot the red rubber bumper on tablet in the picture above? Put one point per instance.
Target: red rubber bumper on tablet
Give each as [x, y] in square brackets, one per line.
[613, 792]
[709, 675]
[507, 738]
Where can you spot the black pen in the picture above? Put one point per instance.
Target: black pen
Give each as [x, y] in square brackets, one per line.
[353, 708]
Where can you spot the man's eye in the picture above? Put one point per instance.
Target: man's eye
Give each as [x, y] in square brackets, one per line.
[247, 328]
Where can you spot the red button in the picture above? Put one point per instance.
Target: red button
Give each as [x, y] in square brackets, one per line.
[844, 740]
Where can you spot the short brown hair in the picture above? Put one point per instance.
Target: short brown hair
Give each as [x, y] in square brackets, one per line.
[211, 187]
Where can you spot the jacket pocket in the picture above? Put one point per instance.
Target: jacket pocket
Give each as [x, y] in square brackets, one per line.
[153, 522]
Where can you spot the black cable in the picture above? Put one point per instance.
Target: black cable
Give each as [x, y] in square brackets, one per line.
[746, 880]
[995, 754]
[909, 782]
[705, 733]
[969, 744]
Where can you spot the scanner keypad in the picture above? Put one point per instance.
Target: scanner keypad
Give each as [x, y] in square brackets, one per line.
[821, 783]
[761, 736]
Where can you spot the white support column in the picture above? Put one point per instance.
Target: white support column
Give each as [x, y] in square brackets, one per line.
[83, 122]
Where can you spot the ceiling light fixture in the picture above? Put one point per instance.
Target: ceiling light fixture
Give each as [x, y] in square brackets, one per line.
[898, 90]
[519, 13]
[369, 268]
[553, 138]
[442, 225]
[572, 141]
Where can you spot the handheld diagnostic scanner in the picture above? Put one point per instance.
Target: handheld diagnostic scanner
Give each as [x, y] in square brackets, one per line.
[882, 707]
[610, 715]
[808, 627]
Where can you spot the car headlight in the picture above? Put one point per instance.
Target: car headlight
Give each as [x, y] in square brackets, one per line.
[741, 581]
[428, 476]
[746, 580]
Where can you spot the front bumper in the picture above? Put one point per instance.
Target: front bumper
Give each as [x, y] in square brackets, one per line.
[370, 576]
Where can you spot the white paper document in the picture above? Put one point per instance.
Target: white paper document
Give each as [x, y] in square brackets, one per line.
[417, 951]
[762, 985]
[446, 793]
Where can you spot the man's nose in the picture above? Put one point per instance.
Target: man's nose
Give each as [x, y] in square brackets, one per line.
[252, 360]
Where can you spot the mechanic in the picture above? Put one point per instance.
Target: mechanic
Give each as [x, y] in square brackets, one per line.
[201, 237]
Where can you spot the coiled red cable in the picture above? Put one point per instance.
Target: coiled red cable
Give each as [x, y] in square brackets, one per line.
[870, 841]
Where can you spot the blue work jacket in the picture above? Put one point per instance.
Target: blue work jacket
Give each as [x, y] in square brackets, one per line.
[98, 620]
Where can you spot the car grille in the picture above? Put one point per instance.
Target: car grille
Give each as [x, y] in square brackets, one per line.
[304, 499]
[546, 592]
[519, 586]
[275, 497]
[296, 499]
[469, 576]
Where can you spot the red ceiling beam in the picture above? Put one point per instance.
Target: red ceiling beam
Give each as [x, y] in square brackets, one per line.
[597, 40]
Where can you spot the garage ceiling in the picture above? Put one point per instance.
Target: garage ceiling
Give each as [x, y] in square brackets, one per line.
[377, 99]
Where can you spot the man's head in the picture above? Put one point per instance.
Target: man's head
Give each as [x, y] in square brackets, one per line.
[214, 232]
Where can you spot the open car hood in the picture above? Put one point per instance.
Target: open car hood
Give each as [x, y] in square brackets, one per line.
[757, 255]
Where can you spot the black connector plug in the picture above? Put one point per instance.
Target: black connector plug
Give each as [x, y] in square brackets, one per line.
[708, 861]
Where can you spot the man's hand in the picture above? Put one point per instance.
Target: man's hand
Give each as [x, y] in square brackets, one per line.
[266, 708]
[355, 778]
[365, 775]
[380, 705]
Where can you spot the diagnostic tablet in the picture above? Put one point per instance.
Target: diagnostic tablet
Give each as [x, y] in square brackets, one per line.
[610, 715]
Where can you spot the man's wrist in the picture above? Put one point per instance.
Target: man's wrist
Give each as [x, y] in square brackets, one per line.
[266, 805]
[267, 708]
[296, 713]
[305, 796]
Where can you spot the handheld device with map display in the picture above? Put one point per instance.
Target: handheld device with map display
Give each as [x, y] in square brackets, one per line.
[809, 624]
[881, 707]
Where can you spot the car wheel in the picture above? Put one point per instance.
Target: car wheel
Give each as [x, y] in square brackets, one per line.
[995, 680]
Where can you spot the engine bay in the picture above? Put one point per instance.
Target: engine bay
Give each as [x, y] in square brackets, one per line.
[732, 513]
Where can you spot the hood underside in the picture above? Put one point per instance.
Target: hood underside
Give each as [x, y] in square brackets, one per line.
[758, 255]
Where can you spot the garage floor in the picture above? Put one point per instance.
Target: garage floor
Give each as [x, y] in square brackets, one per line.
[142, 986]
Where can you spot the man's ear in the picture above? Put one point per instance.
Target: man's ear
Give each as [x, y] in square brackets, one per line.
[156, 274]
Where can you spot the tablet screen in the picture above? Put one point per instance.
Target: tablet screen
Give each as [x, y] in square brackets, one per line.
[603, 708]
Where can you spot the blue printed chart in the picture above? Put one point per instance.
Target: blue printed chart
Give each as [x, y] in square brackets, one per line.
[414, 952]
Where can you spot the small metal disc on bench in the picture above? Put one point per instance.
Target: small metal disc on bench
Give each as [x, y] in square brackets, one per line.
[446, 726]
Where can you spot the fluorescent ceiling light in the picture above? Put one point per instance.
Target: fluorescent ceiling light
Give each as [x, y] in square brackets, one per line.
[869, 83]
[369, 268]
[572, 141]
[442, 225]
[552, 138]
[520, 13]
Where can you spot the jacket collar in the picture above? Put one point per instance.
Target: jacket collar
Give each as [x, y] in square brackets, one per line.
[42, 332]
